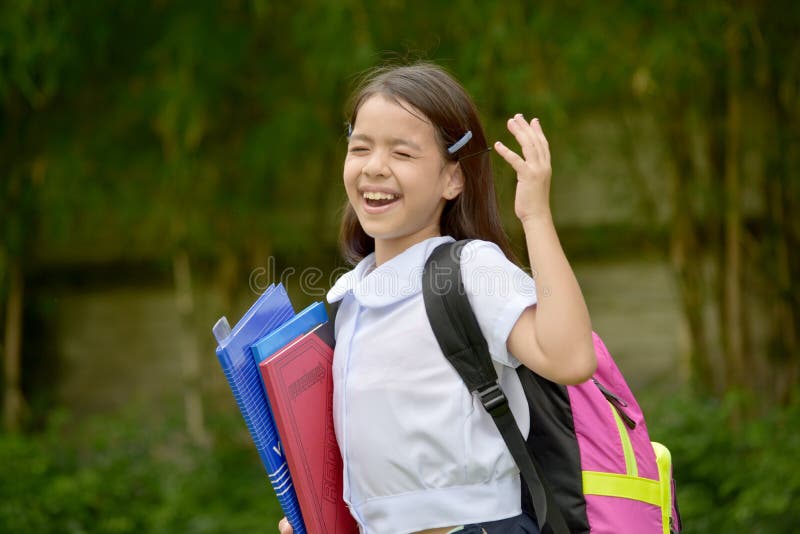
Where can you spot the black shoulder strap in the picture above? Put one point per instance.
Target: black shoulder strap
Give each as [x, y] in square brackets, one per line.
[333, 309]
[460, 338]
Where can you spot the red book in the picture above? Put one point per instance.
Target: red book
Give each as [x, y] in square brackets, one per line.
[299, 385]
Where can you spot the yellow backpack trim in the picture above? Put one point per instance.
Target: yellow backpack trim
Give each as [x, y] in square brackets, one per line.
[664, 463]
[655, 492]
[624, 486]
[630, 485]
[627, 448]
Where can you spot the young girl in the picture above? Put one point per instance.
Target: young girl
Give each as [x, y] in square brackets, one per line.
[420, 453]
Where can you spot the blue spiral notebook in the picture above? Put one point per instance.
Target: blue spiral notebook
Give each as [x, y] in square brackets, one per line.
[270, 310]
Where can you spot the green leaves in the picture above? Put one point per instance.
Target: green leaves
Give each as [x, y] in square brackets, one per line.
[730, 476]
[35, 49]
[128, 475]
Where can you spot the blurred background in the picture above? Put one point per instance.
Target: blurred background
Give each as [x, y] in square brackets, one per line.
[161, 162]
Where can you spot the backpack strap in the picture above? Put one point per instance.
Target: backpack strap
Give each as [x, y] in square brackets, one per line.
[460, 338]
[333, 309]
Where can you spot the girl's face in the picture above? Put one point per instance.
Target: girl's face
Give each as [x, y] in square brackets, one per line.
[396, 177]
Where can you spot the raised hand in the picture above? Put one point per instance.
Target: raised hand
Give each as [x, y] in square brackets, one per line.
[533, 169]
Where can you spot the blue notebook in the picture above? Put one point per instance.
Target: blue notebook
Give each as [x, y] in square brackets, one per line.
[298, 325]
[269, 311]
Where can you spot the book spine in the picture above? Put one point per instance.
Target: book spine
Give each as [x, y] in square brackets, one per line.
[245, 384]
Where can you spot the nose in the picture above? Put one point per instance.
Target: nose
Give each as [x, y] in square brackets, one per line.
[376, 164]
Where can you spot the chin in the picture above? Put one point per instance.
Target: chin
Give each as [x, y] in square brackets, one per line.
[377, 231]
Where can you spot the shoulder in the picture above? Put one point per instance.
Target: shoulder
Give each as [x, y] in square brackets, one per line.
[499, 291]
[487, 249]
[485, 270]
[479, 253]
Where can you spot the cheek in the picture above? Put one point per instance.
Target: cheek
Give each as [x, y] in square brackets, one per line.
[349, 174]
[351, 167]
[350, 180]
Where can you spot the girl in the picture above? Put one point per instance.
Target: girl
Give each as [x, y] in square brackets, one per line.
[420, 453]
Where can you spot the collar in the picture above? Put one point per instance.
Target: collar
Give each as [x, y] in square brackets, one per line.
[395, 280]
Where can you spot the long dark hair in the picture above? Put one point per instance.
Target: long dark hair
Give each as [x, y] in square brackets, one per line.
[428, 88]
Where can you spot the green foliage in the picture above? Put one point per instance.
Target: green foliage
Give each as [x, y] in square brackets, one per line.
[123, 474]
[155, 125]
[118, 474]
[35, 49]
[731, 475]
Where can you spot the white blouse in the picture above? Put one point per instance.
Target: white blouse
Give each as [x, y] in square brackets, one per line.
[419, 450]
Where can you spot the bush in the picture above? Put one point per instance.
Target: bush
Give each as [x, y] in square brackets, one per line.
[119, 475]
[731, 477]
[124, 474]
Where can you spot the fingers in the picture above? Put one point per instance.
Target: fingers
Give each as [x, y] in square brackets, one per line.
[284, 527]
[531, 138]
[524, 135]
[541, 141]
[513, 159]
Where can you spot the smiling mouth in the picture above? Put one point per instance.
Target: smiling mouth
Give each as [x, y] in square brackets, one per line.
[376, 199]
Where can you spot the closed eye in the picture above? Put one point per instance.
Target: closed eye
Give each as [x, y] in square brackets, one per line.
[357, 149]
[404, 155]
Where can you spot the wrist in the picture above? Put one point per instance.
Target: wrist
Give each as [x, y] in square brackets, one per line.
[536, 220]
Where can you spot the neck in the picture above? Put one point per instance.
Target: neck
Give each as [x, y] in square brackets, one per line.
[386, 249]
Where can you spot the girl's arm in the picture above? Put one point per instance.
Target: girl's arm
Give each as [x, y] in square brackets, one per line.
[553, 338]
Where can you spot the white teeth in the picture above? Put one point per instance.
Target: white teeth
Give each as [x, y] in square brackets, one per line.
[373, 195]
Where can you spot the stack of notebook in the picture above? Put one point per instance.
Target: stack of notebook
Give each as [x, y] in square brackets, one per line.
[278, 366]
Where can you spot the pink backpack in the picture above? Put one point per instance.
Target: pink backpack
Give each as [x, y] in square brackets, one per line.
[588, 463]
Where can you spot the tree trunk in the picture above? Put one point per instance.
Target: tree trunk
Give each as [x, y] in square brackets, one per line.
[784, 330]
[733, 346]
[685, 255]
[686, 261]
[13, 401]
[779, 253]
[190, 362]
[647, 208]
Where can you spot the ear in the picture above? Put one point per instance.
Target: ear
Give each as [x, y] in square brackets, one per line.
[455, 182]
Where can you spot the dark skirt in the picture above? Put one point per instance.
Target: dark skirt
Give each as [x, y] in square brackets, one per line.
[521, 524]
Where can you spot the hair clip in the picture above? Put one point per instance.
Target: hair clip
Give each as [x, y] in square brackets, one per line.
[348, 129]
[478, 153]
[455, 147]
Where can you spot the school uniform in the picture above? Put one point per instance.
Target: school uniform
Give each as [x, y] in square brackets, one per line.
[419, 450]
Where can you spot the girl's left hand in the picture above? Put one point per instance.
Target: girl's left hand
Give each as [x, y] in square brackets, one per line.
[284, 527]
[533, 171]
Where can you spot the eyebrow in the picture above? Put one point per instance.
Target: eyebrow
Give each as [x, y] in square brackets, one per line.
[394, 141]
